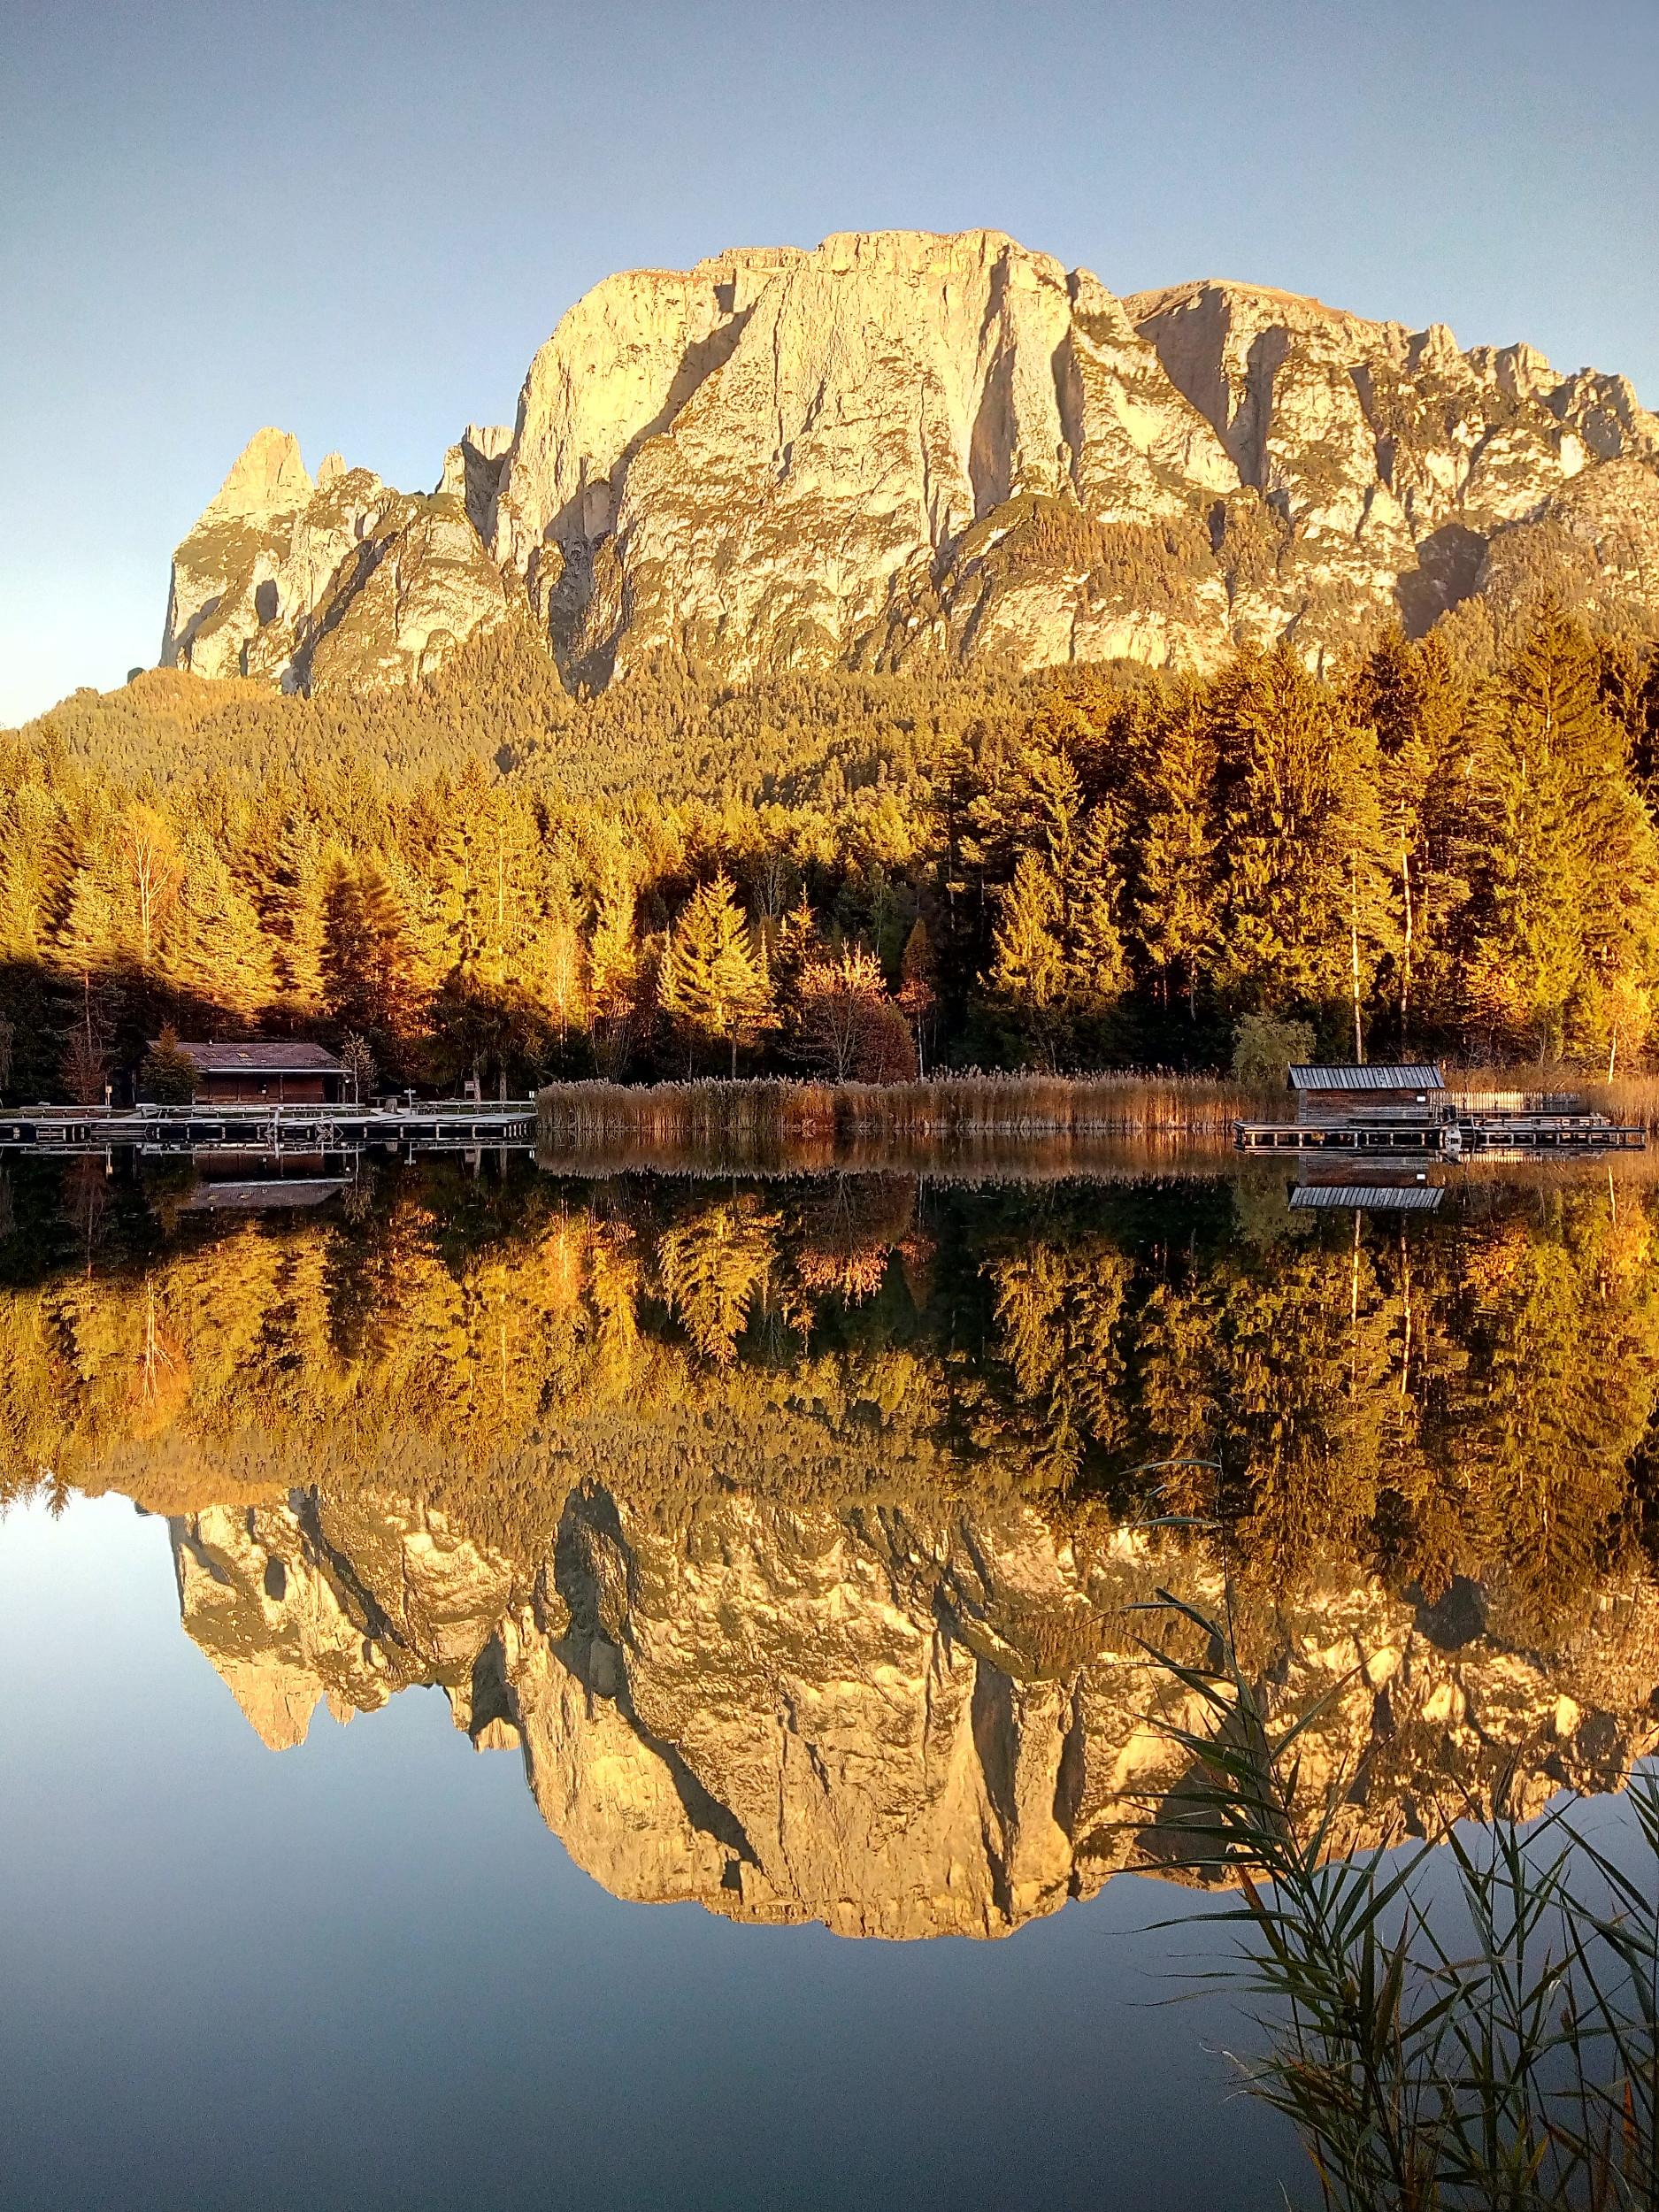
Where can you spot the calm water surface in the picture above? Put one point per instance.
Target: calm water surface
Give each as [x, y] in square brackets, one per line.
[753, 1793]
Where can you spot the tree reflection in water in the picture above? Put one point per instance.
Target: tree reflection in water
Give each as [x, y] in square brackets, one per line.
[786, 1527]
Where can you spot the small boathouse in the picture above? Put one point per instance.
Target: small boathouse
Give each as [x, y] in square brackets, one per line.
[1410, 1093]
[1385, 1108]
[1393, 1106]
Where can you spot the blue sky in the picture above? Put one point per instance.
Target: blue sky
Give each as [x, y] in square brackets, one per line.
[357, 221]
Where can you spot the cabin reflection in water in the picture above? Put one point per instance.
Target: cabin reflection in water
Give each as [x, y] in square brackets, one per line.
[786, 1530]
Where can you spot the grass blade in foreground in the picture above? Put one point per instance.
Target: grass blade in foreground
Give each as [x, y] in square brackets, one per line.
[1466, 2027]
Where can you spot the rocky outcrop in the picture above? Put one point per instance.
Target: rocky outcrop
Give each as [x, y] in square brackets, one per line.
[898, 1724]
[901, 447]
[341, 581]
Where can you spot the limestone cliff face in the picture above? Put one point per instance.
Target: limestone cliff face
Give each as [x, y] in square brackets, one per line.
[902, 445]
[338, 581]
[902, 1725]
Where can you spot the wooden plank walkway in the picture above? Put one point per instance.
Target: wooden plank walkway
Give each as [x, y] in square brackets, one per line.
[1445, 1138]
[1394, 1135]
[447, 1125]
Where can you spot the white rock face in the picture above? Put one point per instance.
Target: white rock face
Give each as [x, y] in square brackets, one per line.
[902, 445]
[345, 580]
[903, 1723]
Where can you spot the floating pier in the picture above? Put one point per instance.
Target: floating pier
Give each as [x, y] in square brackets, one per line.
[437, 1125]
[1392, 1108]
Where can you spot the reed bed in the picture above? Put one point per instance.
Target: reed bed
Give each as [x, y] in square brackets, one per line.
[960, 1163]
[1633, 1099]
[803, 1120]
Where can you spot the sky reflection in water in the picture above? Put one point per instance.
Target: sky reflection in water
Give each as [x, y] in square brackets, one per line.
[778, 1534]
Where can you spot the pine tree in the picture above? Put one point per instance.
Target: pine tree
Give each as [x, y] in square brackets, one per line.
[215, 952]
[36, 870]
[919, 992]
[1305, 892]
[1412, 699]
[612, 944]
[167, 1074]
[1028, 973]
[1093, 945]
[1173, 890]
[1565, 919]
[711, 984]
[558, 982]
[365, 960]
[290, 903]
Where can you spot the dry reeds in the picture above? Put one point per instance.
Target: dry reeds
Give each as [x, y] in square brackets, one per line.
[1632, 1100]
[817, 1123]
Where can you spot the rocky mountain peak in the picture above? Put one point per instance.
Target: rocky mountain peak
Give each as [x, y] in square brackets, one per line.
[901, 446]
[267, 477]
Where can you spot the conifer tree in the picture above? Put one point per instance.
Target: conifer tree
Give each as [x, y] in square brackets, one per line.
[1174, 892]
[919, 992]
[290, 900]
[1412, 699]
[1565, 920]
[166, 1074]
[1095, 969]
[36, 870]
[365, 962]
[612, 945]
[1028, 975]
[216, 952]
[1305, 887]
[711, 984]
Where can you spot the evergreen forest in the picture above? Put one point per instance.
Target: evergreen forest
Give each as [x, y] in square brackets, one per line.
[849, 875]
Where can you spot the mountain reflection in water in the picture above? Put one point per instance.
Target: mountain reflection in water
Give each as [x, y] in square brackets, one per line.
[786, 1528]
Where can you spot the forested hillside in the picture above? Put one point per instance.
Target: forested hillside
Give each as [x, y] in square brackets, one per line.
[1452, 843]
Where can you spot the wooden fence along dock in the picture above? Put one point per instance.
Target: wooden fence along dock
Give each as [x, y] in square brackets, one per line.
[1408, 1109]
[436, 1126]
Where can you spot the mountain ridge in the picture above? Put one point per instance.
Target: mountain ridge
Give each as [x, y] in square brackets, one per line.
[902, 445]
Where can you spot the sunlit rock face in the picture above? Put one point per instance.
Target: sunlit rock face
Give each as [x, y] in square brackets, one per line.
[343, 580]
[901, 446]
[899, 1724]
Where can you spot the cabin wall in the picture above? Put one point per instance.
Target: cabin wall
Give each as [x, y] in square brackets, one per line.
[255, 1087]
[1345, 1107]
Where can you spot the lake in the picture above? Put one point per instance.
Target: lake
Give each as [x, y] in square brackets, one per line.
[621, 1690]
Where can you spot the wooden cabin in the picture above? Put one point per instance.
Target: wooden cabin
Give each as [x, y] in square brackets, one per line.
[259, 1074]
[1382, 1092]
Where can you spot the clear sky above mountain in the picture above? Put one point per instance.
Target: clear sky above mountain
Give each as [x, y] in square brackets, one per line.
[358, 221]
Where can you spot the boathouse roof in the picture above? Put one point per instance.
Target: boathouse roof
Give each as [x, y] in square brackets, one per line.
[241, 1057]
[1380, 1077]
[1390, 1198]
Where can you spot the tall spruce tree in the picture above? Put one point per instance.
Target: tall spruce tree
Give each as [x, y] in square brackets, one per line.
[1028, 969]
[1564, 922]
[1172, 898]
[1411, 696]
[1305, 892]
[711, 984]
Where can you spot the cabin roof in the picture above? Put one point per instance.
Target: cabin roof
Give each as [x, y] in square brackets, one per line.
[269, 1190]
[1381, 1077]
[240, 1057]
[1414, 1198]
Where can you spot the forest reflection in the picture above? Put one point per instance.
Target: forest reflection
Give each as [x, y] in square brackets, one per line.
[787, 1527]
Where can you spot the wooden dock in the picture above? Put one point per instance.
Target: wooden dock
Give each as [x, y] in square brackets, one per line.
[1446, 1137]
[435, 1125]
[1391, 1134]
